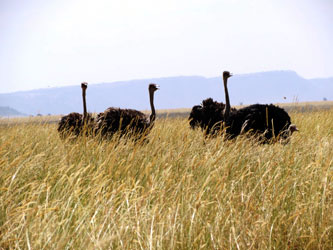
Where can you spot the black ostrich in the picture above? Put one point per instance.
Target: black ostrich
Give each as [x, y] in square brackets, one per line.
[126, 121]
[209, 116]
[268, 122]
[75, 123]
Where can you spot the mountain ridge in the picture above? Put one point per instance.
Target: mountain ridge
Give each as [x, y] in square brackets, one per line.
[10, 112]
[175, 92]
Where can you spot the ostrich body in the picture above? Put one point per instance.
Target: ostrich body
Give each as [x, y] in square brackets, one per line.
[207, 116]
[210, 115]
[267, 121]
[74, 122]
[126, 121]
[263, 120]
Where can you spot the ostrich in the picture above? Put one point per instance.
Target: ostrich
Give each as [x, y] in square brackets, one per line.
[266, 121]
[209, 116]
[126, 121]
[74, 123]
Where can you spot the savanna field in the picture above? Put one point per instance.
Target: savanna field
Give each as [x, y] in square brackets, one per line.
[177, 190]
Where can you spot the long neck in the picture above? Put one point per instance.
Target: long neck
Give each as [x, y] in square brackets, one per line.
[153, 114]
[227, 101]
[84, 104]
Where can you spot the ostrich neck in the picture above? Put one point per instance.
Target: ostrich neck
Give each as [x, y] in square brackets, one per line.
[227, 101]
[84, 104]
[153, 114]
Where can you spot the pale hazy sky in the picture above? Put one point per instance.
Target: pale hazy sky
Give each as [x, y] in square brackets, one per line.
[46, 43]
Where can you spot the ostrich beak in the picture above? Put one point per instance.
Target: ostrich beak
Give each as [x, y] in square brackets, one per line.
[157, 86]
[231, 74]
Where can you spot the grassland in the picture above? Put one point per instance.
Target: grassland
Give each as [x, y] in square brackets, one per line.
[176, 191]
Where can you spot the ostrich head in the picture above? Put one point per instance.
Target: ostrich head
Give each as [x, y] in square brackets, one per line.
[84, 85]
[292, 128]
[153, 87]
[286, 134]
[226, 75]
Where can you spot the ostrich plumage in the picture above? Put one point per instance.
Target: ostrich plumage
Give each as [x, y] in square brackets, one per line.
[267, 122]
[208, 115]
[126, 121]
[74, 123]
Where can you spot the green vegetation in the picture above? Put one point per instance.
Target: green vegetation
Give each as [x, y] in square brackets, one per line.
[176, 191]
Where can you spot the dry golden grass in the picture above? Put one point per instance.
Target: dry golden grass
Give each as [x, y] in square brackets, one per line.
[177, 191]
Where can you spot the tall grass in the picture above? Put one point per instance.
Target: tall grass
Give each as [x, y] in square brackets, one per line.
[178, 190]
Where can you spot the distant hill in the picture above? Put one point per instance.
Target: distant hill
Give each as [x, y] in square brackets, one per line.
[175, 92]
[8, 111]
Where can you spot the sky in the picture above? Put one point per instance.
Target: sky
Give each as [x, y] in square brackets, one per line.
[64, 42]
